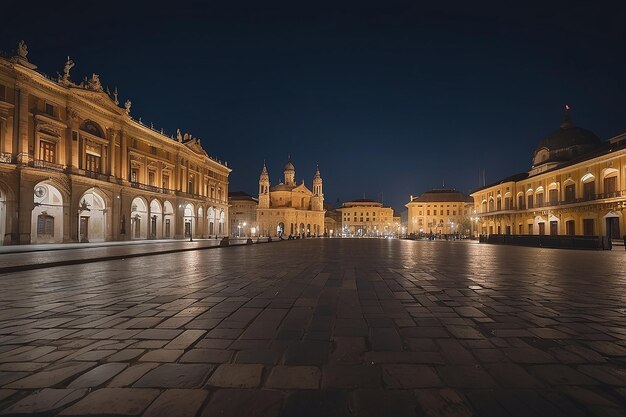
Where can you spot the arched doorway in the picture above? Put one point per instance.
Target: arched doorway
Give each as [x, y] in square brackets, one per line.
[201, 227]
[47, 215]
[189, 220]
[222, 218]
[168, 220]
[92, 224]
[156, 220]
[139, 219]
[211, 219]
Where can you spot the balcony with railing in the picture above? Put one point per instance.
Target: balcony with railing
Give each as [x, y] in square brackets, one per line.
[96, 175]
[554, 204]
[151, 188]
[50, 166]
[6, 158]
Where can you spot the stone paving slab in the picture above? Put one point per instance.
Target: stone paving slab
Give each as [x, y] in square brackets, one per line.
[28, 257]
[320, 327]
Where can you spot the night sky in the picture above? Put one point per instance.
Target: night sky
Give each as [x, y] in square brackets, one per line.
[393, 98]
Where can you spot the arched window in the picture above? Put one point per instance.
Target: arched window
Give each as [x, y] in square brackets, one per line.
[539, 196]
[589, 186]
[491, 204]
[570, 191]
[610, 181]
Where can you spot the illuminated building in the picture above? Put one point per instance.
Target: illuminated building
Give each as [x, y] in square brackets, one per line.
[439, 211]
[367, 218]
[575, 187]
[289, 208]
[75, 166]
[242, 213]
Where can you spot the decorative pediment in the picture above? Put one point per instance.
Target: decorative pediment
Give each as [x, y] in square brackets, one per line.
[194, 145]
[302, 189]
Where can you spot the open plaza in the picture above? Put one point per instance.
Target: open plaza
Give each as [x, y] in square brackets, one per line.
[319, 327]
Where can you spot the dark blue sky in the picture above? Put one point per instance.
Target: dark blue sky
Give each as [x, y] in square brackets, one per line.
[391, 98]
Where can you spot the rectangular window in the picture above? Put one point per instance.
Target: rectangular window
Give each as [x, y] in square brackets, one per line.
[45, 225]
[166, 181]
[570, 193]
[447, 212]
[588, 228]
[530, 201]
[151, 176]
[530, 229]
[610, 185]
[49, 109]
[47, 151]
[520, 202]
[539, 200]
[554, 228]
[542, 228]
[589, 189]
[134, 175]
[93, 163]
[521, 229]
[554, 196]
[428, 212]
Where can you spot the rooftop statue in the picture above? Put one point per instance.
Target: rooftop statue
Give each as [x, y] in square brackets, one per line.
[127, 106]
[69, 64]
[94, 83]
[179, 137]
[22, 49]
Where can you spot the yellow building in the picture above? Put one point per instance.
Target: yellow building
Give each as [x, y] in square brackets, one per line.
[439, 211]
[242, 214]
[75, 166]
[367, 218]
[575, 187]
[288, 208]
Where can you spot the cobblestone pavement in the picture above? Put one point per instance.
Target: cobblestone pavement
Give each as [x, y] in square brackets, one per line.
[320, 328]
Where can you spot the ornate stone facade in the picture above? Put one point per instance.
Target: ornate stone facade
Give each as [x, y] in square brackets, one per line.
[74, 166]
[288, 208]
[575, 186]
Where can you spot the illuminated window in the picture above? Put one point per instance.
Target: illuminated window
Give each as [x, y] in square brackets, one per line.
[47, 151]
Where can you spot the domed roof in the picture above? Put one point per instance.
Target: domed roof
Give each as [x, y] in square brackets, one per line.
[289, 166]
[565, 143]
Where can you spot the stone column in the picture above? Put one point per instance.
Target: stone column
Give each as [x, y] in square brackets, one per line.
[111, 153]
[124, 158]
[21, 99]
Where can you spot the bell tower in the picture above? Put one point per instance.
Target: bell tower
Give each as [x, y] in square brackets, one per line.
[264, 188]
[317, 200]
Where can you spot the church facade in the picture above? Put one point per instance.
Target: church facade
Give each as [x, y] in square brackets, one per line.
[289, 208]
